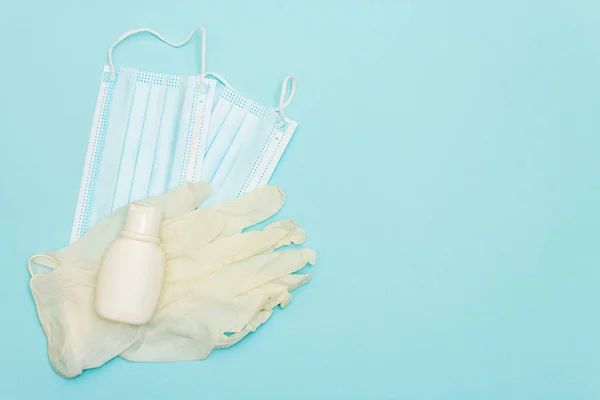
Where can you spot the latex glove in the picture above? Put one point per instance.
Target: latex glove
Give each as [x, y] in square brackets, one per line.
[64, 297]
[190, 304]
[220, 284]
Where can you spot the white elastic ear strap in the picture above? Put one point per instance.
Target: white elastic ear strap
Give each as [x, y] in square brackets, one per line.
[283, 103]
[162, 38]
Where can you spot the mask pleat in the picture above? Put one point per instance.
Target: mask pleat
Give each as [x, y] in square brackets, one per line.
[131, 144]
[231, 175]
[113, 146]
[219, 113]
[166, 141]
[222, 141]
[149, 140]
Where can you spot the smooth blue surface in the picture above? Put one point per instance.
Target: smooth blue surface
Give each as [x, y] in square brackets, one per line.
[446, 169]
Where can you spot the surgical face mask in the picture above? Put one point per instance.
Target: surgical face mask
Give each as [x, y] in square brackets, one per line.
[245, 140]
[148, 135]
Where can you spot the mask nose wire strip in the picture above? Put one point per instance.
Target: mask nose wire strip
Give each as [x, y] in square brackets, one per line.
[41, 256]
[163, 39]
[283, 103]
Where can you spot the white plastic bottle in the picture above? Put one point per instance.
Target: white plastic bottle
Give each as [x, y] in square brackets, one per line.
[132, 269]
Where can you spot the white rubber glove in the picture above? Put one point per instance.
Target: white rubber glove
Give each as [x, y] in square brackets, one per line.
[228, 285]
[217, 281]
[64, 297]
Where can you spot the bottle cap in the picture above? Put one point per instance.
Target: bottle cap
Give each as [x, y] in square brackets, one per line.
[144, 219]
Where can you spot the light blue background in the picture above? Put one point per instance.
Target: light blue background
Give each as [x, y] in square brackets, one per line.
[445, 168]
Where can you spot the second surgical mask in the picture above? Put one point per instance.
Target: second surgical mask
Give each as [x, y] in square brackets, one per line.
[245, 140]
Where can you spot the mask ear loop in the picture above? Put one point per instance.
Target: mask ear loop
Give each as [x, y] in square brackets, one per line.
[220, 78]
[283, 103]
[163, 39]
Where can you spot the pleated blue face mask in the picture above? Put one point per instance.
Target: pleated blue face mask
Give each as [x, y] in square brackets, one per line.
[148, 135]
[245, 140]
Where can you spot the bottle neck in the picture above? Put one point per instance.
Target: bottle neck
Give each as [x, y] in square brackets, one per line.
[140, 236]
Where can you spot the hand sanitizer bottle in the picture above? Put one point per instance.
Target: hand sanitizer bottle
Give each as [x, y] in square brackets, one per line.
[132, 269]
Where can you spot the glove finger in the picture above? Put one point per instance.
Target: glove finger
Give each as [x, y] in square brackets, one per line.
[191, 231]
[278, 290]
[232, 249]
[259, 319]
[196, 229]
[283, 299]
[240, 311]
[278, 285]
[294, 281]
[250, 208]
[276, 265]
[181, 199]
